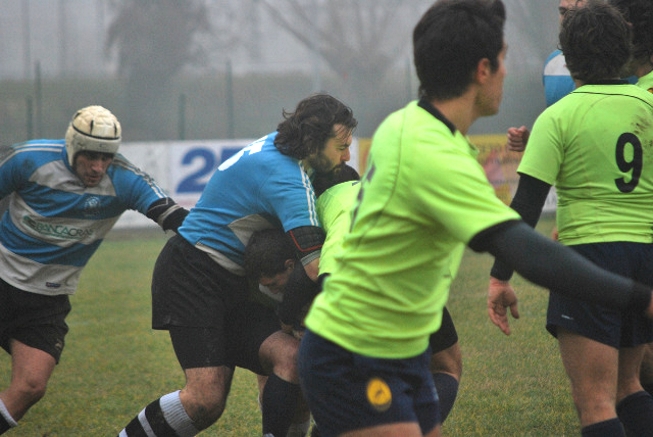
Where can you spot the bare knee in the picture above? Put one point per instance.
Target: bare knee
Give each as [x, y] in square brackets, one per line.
[278, 355]
[21, 395]
[34, 390]
[205, 396]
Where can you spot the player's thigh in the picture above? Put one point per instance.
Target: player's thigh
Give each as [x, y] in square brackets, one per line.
[278, 354]
[646, 373]
[31, 368]
[630, 361]
[592, 366]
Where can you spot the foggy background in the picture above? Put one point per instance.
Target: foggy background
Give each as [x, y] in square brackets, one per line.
[202, 69]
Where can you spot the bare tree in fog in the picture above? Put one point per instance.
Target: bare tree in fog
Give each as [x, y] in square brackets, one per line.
[154, 40]
[359, 40]
[531, 30]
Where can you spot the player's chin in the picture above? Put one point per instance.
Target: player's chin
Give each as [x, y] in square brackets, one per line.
[338, 169]
[92, 182]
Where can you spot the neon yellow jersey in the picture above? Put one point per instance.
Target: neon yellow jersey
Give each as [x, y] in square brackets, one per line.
[646, 82]
[334, 208]
[422, 198]
[596, 146]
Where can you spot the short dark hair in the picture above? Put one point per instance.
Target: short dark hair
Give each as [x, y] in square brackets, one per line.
[450, 40]
[596, 42]
[266, 253]
[306, 130]
[639, 13]
[340, 174]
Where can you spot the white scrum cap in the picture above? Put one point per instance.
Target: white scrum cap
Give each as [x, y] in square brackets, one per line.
[93, 129]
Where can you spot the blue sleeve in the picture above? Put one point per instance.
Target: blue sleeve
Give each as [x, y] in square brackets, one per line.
[135, 188]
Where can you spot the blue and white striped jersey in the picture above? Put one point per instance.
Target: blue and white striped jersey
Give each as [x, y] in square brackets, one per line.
[54, 223]
[556, 78]
[258, 188]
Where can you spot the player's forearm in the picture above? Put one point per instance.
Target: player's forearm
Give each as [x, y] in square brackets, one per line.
[528, 202]
[554, 266]
[167, 214]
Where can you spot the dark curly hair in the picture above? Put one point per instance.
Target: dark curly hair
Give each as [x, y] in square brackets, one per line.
[306, 130]
[596, 42]
[639, 13]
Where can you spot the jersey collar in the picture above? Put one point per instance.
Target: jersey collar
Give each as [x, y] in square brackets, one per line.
[426, 105]
[608, 82]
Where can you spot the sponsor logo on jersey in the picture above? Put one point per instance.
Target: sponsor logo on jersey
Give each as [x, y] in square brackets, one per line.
[379, 394]
[59, 231]
[92, 207]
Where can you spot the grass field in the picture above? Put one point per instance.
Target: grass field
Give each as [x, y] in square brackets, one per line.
[114, 364]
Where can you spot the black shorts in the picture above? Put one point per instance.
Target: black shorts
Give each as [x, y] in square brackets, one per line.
[600, 323]
[446, 336]
[35, 320]
[207, 311]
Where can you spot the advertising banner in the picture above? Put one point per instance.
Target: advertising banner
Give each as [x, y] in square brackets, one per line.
[183, 168]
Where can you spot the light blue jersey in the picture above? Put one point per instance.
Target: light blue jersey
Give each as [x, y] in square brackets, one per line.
[556, 78]
[276, 194]
[54, 223]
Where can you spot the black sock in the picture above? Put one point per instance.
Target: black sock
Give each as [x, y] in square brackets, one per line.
[6, 421]
[648, 387]
[607, 428]
[278, 405]
[4, 425]
[447, 387]
[155, 420]
[636, 413]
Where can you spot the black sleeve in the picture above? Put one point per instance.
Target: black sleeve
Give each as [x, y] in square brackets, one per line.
[308, 241]
[551, 265]
[528, 202]
[167, 214]
[299, 292]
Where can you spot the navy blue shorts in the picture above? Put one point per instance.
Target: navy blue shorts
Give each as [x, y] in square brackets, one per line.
[347, 391]
[36, 320]
[606, 325]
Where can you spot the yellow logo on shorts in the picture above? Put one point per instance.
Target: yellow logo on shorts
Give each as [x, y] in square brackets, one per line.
[379, 394]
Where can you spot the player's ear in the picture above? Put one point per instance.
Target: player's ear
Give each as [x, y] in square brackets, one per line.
[289, 264]
[483, 71]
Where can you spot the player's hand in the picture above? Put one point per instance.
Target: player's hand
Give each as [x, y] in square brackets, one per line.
[499, 297]
[517, 138]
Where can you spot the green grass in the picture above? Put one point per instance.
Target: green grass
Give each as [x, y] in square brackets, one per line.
[114, 363]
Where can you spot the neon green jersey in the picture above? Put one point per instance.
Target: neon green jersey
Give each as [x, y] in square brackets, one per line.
[646, 82]
[596, 146]
[334, 211]
[422, 198]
